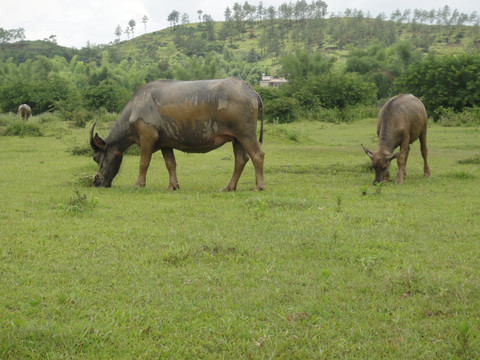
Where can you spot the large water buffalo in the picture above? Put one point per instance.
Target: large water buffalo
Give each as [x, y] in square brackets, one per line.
[191, 116]
[24, 111]
[402, 120]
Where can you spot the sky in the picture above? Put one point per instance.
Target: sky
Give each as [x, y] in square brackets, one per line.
[78, 22]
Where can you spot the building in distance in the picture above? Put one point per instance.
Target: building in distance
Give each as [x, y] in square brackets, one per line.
[272, 81]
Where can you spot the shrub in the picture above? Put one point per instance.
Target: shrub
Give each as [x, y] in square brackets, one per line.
[281, 110]
[326, 115]
[22, 129]
[8, 118]
[448, 117]
[81, 150]
[48, 117]
[79, 117]
[108, 95]
[107, 117]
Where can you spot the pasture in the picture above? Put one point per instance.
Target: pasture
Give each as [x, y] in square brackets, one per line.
[322, 265]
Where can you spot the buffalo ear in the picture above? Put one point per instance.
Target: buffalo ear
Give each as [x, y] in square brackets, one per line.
[394, 156]
[368, 152]
[96, 142]
[99, 142]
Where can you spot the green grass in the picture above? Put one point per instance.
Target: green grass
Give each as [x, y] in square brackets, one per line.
[321, 265]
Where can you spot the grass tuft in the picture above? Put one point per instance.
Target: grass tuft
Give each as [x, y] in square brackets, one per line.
[473, 160]
[78, 203]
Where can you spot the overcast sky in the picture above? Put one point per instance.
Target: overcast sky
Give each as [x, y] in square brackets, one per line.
[75, 22]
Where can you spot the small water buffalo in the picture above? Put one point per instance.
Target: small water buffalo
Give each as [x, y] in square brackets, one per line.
[191, 116]
[402, 120]
[24, 111]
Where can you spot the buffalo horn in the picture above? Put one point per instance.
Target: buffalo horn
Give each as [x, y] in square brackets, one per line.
[368, 152]
[92, 143]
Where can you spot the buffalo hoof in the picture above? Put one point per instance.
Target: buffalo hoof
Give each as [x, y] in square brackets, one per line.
[228, 189]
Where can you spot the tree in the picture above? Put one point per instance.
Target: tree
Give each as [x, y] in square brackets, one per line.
[209, 27]
[12, 35]
[132, 25]
[339, 91]
[173, 18]
[448, 81]
[52, 39]
[144, 22]
[260, 11]
[228, 29]
[185, 19]
[239, 17]
[301, 64]
[118, 32]
[108, 95]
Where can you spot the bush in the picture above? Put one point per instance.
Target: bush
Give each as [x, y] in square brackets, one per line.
[49, 117]
[326, 115]
[281, 110]
[78, 117]
[448, 117]
[81, 150]
[349, 114]
[337, 90]
[107, 117]
[352, 113]
[22, 129]
[8, 118]
[107, 95]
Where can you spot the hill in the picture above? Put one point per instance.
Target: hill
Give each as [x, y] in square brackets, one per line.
[262, 41]
[22, 51]
[266, 41]
[333, 64]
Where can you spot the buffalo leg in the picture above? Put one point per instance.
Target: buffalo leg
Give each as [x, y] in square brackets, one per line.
[406, 160]
[145, 158]
[257, 155]
[171, 165]
[402, 161]
[148, 136]
[241, 158]
[423, 148]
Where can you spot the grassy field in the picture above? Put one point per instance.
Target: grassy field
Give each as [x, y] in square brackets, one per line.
[322, 265]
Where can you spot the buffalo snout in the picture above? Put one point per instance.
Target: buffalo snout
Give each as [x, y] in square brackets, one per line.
[99, 181]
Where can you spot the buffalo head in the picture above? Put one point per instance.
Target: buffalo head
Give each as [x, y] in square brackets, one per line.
[108, 158]
[380, 163]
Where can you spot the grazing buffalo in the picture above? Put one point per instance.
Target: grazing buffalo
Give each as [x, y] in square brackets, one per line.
[191, 116]
[24, 111]
[401, 121]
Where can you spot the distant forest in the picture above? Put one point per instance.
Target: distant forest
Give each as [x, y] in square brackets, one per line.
[332, 64]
